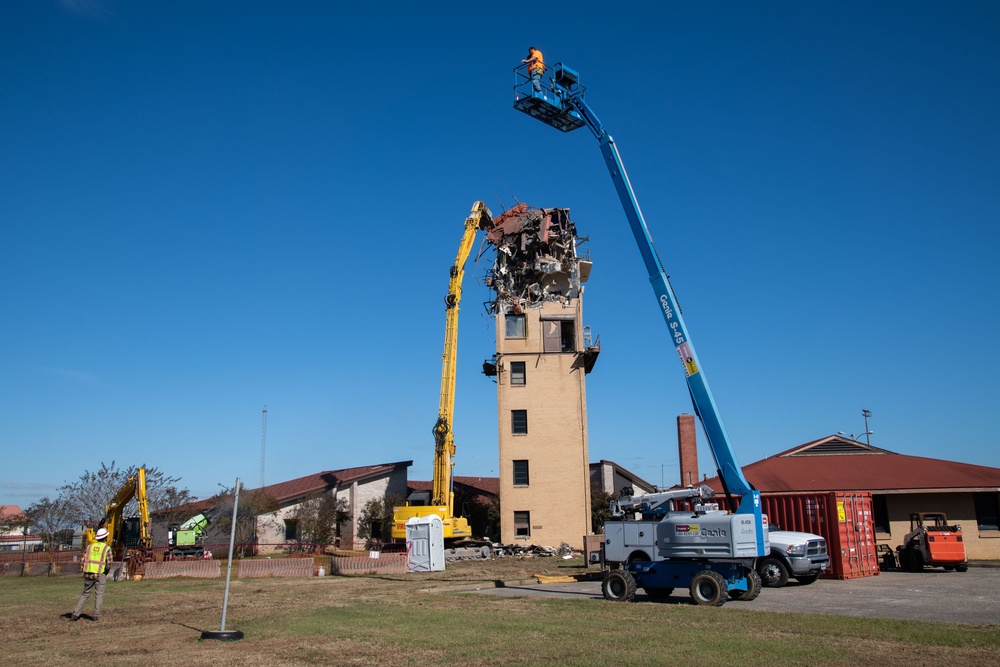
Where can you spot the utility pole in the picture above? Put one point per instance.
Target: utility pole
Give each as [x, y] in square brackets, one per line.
[263, 443]
[868, 434]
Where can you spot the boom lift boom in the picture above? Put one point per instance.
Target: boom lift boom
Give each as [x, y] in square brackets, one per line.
[561, 104]
[442, 501]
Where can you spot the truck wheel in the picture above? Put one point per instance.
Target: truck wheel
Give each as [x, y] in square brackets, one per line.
[807, 579]
[708, 588]
[754, 584]
[773, 572]
[618, 586]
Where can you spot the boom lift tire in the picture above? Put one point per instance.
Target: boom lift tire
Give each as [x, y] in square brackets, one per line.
[708, 588]
[754, 584]
[773, 572]
[618, 586]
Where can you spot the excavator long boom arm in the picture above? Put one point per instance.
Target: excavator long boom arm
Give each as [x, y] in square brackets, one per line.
[442, 492]
[444, 440]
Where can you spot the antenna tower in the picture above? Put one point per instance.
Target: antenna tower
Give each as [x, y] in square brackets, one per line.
[263, 443]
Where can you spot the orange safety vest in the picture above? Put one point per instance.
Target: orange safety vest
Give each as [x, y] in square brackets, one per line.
[539, 62]
[95, 558]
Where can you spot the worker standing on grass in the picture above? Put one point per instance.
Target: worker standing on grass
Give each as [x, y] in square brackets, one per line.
[96, 563]
[536, 66]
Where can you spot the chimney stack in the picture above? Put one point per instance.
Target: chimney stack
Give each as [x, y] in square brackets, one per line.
[688, 449]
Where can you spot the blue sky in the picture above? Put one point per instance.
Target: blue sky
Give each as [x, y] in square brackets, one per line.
[212, 207]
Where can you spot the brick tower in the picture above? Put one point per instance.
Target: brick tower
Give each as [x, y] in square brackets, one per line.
[543, 354]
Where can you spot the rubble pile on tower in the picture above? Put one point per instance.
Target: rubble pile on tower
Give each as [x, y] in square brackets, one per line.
[536, 259]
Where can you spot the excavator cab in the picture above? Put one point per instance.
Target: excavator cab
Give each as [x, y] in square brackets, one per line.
[551, 104]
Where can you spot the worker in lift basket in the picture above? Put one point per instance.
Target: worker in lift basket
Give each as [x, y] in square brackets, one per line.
[536, 66]
[96, 563]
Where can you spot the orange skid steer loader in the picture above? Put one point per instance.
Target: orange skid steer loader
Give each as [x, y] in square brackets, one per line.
[931, 542]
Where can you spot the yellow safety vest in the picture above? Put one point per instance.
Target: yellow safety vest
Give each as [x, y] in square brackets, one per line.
[95, 558]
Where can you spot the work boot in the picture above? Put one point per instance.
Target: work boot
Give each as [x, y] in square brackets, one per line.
[74, 617]
[95, 618]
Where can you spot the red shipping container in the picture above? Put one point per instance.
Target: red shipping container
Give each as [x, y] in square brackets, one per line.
[844, 519]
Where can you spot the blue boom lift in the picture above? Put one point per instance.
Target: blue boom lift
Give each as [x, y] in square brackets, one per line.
[711, 552]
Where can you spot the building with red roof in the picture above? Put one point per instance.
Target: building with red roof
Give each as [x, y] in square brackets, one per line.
[14, 536]
[355, 486]
[900, 485]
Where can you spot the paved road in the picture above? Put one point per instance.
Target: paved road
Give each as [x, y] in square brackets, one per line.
[960, 597]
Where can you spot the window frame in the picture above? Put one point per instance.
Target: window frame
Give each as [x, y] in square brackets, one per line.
[880, 514]
[524, 473]
[510, 322]
[522, 529]
[521, 374]
[987, 508]
[516, 423]
[291, 530]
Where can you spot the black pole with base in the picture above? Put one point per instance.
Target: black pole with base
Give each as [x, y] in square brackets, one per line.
[222, 634]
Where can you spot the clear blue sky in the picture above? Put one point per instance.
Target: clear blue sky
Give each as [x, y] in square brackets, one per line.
[212, 206]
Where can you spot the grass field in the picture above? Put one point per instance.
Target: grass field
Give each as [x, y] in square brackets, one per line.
[394, 620]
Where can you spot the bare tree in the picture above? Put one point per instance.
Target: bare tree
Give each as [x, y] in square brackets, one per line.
[375, 522]
[87, 498]
[600, 509]
[51, 521]
[175, 506]
[318, 520]
[493, 519]
[469, 503]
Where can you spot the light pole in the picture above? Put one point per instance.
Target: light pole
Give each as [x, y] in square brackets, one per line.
[868, 441]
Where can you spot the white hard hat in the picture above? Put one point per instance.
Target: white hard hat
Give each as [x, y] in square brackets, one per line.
[101, 534]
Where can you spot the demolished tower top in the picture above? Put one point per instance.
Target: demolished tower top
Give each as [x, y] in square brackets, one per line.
[537, 259]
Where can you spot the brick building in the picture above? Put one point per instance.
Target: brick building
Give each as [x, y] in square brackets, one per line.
[356, 486]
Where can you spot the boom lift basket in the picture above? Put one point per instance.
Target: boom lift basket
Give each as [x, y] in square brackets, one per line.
[549, 105]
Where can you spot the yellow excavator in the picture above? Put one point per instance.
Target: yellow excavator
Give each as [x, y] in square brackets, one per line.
[129, 538]
[442, 500]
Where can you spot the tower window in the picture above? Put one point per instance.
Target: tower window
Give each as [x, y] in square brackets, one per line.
[559, 335]
[517, 377]
[519, 422]
[515, 326]
[522, 524]
[521, 473]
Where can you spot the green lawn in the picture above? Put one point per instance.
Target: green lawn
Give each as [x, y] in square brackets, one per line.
[391, 620]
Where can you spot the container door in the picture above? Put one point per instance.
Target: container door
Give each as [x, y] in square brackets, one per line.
[859, 557]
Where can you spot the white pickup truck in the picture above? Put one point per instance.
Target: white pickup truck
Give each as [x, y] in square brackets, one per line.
[802, 556]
